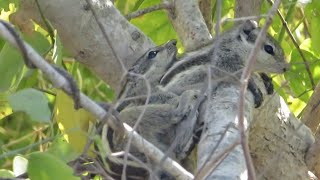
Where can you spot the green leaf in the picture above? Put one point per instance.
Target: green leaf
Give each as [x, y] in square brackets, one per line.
[73, 123]
[155, 24]
[63, 150]
[5, 108]
[312, 12]
[11, 62]
[57, 51]
[29, 80]
[33, 102]
[38, 42]
[10, 65]
[4, 4]
[298, 75]
[6, 174]
[44, 166]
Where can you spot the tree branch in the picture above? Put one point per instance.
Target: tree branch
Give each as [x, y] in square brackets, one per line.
[189, 24]
[59, 81]
[82, 37]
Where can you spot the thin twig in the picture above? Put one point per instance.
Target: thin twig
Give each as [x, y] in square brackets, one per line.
[26, 148]
[143, 164]
[242, 19]
[244, 83]
[218, 15]
[164, 5]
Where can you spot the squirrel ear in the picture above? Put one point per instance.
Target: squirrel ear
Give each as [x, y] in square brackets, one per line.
[248, 26]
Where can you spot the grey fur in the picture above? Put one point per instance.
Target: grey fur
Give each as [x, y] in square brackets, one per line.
[152, 68]
[227, 57]
[164, 111]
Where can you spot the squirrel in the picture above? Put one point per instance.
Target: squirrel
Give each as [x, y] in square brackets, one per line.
[164, 109]
[228, 55]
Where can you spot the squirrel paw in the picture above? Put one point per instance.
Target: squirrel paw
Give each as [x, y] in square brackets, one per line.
[257, 94]
[258, 98]
[267, 81]
[187, 102]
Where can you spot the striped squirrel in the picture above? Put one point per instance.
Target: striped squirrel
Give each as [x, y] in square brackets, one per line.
[164, 110]
[227, 57]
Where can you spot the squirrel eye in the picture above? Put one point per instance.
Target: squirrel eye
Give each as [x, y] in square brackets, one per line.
[152, 54]
[269, 49]
[247, 32]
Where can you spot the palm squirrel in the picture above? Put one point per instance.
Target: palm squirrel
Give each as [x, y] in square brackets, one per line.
[227, 58]
[163, 111]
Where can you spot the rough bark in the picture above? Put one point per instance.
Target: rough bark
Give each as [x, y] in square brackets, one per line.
[83, 39]
[247, 8]
[311, 119]
[311, 115]
[278, 141]
[313, 157]
[206, 10]
[189, 24]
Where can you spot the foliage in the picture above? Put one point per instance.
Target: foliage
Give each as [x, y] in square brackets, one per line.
[31, 110]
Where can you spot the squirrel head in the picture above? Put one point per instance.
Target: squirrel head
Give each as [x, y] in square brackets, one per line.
[158, 57]
[270, 58]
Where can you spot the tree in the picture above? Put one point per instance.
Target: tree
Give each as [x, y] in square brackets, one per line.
[272, 126]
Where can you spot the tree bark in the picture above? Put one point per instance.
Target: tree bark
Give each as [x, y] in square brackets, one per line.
[246, 8]
[189, 24]
[81, 36]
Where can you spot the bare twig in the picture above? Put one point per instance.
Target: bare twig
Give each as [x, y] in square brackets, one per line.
[244, 83]
[242, 19]
[218, 15]
[164, 5]
[26, 148]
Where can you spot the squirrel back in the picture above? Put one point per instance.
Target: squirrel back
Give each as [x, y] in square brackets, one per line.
[226, 56]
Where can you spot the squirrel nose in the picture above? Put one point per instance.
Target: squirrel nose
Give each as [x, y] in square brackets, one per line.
[286, 68]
